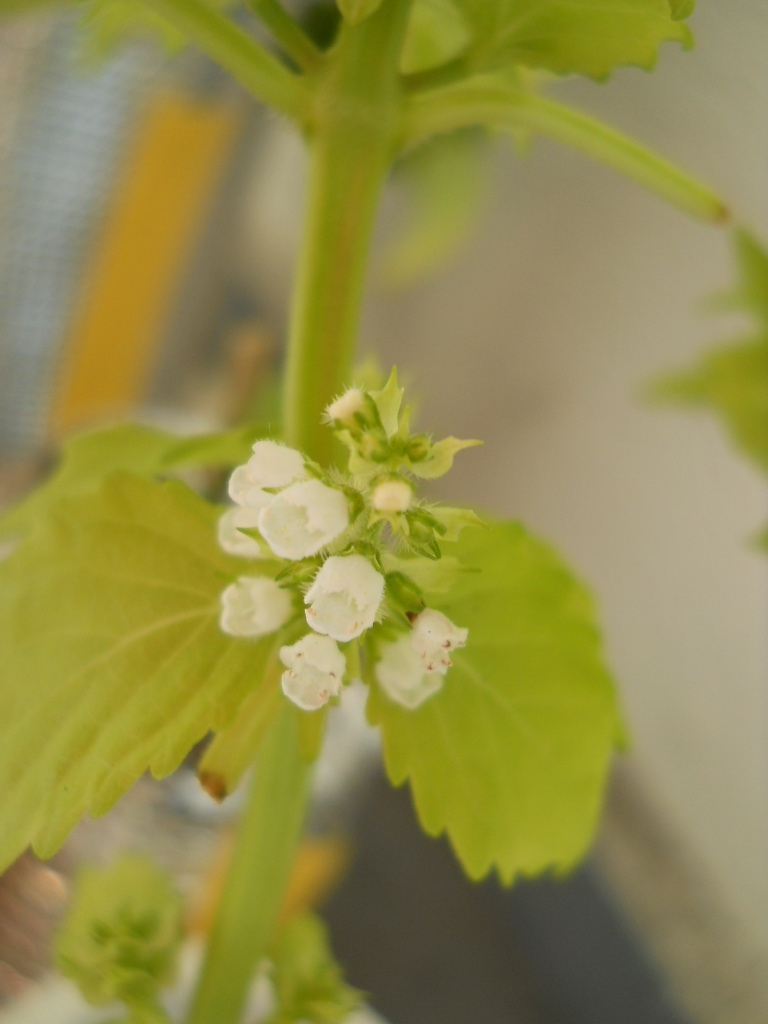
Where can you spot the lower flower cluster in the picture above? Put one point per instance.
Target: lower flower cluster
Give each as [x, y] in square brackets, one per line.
[329, 534]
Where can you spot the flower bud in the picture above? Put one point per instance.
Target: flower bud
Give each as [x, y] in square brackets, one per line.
[392, 496]
[315, 669]
[433, 638]
[346, 407]
[303, 518]
[344, 598]
[400, 673]
[232, 540]
[271, 465]
[254, 606]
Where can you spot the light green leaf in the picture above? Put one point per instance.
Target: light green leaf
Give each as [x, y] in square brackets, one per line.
[571, 36]
[752, 293]
[440, 458]
[432, 575]
[388, 401]
[445, 186]
[733, 382]
[111, 658]
[455, 520]
[355, 11]
[437, 33]
[108, 24]
[233, 750]
[88, 458]
[682, 8]
[121, 936]
[510, 757]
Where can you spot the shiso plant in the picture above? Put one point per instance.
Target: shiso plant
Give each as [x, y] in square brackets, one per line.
[139, 616]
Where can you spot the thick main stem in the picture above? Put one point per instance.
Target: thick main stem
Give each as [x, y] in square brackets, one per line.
[352, 145]
[357, 97]
[266, 842]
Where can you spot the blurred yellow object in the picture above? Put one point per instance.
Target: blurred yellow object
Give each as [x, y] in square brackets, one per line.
[319, 866]
[161, 202]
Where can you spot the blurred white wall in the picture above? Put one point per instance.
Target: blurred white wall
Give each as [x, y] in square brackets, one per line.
[578, 289]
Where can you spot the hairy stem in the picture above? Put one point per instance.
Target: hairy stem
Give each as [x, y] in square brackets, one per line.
[266, 842]
[352, 145]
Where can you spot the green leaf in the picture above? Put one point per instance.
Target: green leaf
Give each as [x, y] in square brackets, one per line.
[440, 458]
[752, 293]
[121, 936]
[454, 520]
[233, 750]
[584, 37]
[111, 658]
[510, 757]
[88, 458]
[437, 33]
[733, 382]
[446, 186]
[681, 8]
[308, 982]
[355, 11]
[433, 575]
[108, 24]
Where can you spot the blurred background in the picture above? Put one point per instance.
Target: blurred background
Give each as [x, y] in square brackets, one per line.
[149, 215]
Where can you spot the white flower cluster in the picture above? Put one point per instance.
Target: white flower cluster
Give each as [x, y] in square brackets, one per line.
[290, 514]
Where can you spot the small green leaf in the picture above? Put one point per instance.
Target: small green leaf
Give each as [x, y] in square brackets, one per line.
[510, 757]
[121, 937]
[440, 458]
[88, 458]
[308, 982]
[733, 382]
[437, 33]
[455, 520]
[355, 11]
[571, 36]
[388, 401]
[111, 657]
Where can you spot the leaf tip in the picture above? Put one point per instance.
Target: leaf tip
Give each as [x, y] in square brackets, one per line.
[214, 784]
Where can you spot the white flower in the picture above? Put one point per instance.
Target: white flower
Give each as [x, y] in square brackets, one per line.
[346, 406]
[392, 496]
[315, 669]
[271, 465]
[433, 638]
[254, 606]
[400, 673]
[344, 597]
[303, 518]
[232, 540]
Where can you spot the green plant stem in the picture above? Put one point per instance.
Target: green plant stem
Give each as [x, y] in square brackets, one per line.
[485, 101]
[292, 39]
[266, 841]
[245, 59]
[353, 141]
